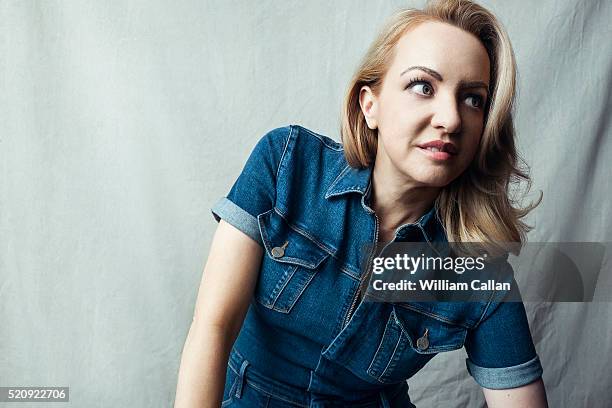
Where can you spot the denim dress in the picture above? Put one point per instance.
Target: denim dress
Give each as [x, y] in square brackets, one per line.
[308, 339]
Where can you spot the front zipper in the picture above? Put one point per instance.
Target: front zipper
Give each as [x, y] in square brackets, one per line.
[371, 256]
[372, 253]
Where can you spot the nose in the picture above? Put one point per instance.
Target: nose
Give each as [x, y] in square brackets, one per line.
[446, 115]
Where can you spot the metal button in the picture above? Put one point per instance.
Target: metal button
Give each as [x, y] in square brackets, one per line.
[423, 342]
[279, 251]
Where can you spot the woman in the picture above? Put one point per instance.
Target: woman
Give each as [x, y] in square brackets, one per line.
[427, 155]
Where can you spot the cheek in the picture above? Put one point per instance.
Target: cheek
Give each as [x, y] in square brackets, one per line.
[475, 121]
[469, 154]
[473, 135]
[473, 144]
[400, 117]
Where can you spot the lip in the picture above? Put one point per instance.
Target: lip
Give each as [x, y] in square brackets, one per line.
[446, 150]
[447, 147]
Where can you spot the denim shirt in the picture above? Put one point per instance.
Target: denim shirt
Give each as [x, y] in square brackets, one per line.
[307, 336]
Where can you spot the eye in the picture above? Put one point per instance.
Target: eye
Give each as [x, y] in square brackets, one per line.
[421, 87]
[475, 101]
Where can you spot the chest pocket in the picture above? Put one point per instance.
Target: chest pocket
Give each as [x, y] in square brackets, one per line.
[410, 339]
[290, 263]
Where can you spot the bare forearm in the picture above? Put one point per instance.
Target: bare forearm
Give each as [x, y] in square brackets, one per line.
[203, 365]
[528, 396]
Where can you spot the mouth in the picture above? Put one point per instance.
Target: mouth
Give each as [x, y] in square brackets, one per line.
[439, 150]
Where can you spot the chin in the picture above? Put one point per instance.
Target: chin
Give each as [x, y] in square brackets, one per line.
[437, 183]
[432, 177]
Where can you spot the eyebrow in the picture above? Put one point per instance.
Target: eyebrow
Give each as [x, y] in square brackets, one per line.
[436, 74]
[430, 71]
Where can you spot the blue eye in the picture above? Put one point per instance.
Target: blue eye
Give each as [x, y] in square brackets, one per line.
[475, 101]
[421, 87]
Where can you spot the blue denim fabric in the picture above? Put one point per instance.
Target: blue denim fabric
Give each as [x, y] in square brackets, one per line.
[307, 340]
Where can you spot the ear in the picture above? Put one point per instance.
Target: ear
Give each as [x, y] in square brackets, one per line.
[369, 105]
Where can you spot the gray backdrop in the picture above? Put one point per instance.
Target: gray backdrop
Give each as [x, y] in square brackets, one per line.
[121, 123]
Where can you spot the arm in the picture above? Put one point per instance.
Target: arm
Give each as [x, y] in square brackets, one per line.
[503, 360]
[226, 288]
[528, 396]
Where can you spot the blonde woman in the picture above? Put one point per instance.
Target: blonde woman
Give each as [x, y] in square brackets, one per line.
[428, 155]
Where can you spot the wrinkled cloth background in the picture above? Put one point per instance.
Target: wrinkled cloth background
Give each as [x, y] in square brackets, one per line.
[121, 123]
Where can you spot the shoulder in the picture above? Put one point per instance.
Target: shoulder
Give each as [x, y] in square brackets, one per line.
[299, 135]
[316, 140]
[311, 153]
[310, 163]
[294, 146]
[296, 140]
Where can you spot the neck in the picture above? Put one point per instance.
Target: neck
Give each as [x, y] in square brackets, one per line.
[398, 200]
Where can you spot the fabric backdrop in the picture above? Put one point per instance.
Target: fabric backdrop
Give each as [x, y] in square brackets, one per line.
[121, 123]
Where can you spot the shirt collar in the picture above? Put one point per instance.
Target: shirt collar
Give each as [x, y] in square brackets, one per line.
[353, 180]
[431, 225]
[350, 180]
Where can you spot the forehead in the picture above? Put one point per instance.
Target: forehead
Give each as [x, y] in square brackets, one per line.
[453, 52]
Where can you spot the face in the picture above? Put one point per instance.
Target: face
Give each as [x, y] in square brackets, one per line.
[429, 111]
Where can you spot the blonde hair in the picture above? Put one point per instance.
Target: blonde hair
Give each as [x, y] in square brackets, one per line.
[477, 206]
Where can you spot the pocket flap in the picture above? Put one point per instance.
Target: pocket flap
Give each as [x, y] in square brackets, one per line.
[286, 244]
[440, 336]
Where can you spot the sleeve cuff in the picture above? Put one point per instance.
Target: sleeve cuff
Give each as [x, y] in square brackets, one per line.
[506, 377]
[236, 216]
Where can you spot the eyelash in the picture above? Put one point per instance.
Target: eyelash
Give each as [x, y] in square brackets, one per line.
[419, 80]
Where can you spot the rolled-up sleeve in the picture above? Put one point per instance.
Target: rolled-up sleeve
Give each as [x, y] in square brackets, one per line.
[506, 377]
[501, 353]
[254, 191]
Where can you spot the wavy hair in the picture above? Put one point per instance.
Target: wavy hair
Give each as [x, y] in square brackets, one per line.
[477, 206]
